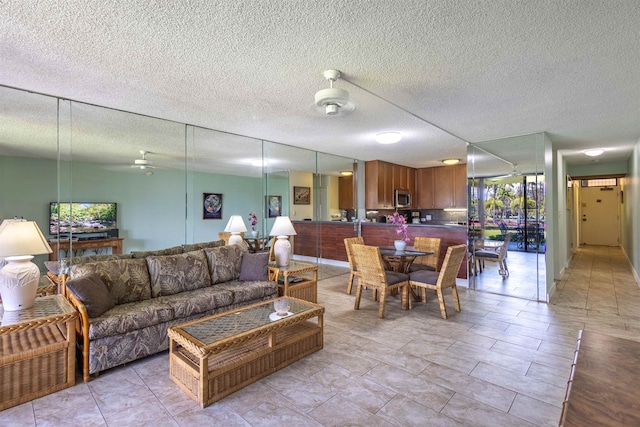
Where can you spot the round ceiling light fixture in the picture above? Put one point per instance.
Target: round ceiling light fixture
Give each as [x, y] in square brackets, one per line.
[594, 153]
[346, 173]
[332, 99]
[388, 137]
[451, 161]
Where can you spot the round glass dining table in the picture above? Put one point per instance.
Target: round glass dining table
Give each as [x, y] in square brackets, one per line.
[400, 261]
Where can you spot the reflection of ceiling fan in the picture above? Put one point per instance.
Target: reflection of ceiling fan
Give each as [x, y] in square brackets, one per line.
[143, 163]
[514, 173]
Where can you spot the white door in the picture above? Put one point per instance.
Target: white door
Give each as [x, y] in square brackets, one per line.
[599, 216]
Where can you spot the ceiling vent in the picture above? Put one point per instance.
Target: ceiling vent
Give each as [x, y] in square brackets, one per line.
[332, 99]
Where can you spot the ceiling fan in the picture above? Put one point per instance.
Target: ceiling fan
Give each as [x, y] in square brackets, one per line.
[143, 163]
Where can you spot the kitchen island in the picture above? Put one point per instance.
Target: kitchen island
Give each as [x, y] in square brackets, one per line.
[325, 239]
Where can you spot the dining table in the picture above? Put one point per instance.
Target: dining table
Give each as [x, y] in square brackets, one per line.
[400, 261]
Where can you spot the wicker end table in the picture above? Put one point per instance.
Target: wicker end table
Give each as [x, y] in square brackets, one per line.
[306, 274]
[213, 357]
[37, 350]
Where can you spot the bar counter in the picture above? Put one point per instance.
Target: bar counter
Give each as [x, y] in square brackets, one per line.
[325, 239]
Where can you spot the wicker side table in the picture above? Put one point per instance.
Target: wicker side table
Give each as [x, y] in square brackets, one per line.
[37, 350]
[307, 274]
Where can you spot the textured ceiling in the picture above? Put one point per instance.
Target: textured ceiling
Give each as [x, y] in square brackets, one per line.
[461, 72]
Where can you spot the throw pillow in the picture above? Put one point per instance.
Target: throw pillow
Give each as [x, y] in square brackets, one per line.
[93, 293]
[255, 266]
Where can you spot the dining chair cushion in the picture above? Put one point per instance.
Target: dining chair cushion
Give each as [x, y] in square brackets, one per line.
[487, 254]
[420, 267]
[395, 277]
[424, 276]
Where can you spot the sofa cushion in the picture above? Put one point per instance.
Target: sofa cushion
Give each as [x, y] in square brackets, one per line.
[171, 274]
[126, 279]
[124, 318]
[255, 266]
[224, 263]
[93, 293]
[168, 251]
[195, 246]
[247, 291]
[198, 301]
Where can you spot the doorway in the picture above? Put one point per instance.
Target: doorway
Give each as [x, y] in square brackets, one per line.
[599, 217]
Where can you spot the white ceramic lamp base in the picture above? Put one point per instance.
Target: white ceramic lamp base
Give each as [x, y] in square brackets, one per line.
[282, 251]
[19, 283]
[235, 239]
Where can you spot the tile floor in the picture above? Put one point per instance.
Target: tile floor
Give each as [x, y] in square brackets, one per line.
[502, 361]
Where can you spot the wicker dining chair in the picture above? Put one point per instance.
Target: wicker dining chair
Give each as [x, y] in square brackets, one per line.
[353, 270]
[499, 256]
[446, 278]
[371, 274]
[426, 262]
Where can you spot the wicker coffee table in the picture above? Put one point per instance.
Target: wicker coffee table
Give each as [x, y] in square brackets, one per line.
[213, 357]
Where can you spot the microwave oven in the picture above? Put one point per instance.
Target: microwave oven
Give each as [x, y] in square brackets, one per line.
[402, 199]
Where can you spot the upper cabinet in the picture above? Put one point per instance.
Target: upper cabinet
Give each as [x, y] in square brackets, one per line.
[382, 178]
[442, 187]
[345, 189]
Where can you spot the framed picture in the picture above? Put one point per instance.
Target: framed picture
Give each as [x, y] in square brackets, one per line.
[211, 206]
[301, 195]
[274, 206]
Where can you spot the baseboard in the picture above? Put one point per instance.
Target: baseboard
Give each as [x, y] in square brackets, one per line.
[633, 270]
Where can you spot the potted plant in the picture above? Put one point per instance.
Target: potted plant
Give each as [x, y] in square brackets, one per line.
[253, 220]
[401, 230]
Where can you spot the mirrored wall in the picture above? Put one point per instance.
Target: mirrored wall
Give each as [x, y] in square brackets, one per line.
[171, 183]
[507, 195]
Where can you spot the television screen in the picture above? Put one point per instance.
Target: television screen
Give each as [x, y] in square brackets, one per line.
[72, 218]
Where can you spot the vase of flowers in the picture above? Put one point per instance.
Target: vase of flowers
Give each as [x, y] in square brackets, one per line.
[253, 220]
[401, 230]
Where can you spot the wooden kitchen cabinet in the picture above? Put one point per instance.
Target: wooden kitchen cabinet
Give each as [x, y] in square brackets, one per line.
[378, 185]
[424, 187]
[345, 192]
[450, 187]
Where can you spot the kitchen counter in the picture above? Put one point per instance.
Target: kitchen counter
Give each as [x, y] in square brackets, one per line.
[325, 239]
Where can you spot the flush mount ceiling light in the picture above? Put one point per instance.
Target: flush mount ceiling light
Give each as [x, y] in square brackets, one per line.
[451, 161]
[332, 99]
[594, 153]
[259, 163]
[346, 173]
[388, 137]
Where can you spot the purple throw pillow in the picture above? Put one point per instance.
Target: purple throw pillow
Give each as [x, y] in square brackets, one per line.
[255, 266]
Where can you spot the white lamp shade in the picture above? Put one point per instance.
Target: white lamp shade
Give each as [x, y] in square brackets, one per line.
[19, 237]
[282, 227]
[235, 225]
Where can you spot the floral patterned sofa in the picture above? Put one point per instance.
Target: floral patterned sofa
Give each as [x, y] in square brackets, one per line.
[127, 304]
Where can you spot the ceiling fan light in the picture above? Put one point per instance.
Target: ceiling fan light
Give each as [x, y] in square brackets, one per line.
[388, 137]
[594, 152]
[451, 161]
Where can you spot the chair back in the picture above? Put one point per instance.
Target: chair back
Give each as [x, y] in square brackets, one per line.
[348, 243]
[369, 263]
[428, 244]
[504, 248]
[451, 266]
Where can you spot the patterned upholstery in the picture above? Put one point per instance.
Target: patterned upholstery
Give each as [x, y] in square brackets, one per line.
[198, 301]
[126, 279]
[172, 274]
[245, 291]
[175, 250]
[195, 246]
[225, 263]
[127, 317]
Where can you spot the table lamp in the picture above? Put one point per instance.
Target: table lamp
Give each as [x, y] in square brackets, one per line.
[19, 241]
[235, 226]
[282, 228]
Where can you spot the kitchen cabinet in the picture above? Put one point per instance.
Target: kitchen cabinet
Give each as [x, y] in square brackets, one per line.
[424, 187]
[442, 187]
[450, 187]
[382, 178]
[378, 185]
[345, 192]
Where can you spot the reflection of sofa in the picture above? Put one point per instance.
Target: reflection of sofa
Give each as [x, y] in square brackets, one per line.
[127, 305]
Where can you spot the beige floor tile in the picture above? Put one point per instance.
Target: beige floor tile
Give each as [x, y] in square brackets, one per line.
[535, 411]
[341, 412]
[403, 412]
[473, 413]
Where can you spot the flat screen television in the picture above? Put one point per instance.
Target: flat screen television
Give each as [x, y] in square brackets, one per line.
[78, 218]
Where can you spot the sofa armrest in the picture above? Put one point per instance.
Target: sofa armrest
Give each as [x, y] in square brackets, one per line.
[82, 332]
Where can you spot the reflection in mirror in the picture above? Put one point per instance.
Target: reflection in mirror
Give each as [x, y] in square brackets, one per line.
[28, 157]
[137, 162]
[507, 196]
[226, 169]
